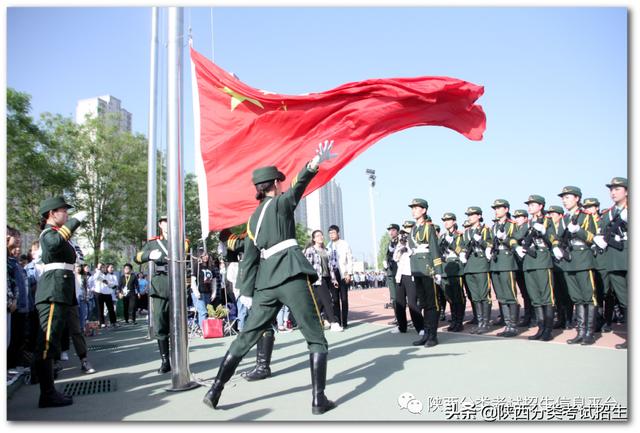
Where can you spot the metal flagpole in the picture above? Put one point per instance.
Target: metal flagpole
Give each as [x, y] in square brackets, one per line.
[372, 183]
[152, 157]
[180, 374]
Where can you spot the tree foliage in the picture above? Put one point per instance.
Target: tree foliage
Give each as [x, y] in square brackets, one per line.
[382, 252]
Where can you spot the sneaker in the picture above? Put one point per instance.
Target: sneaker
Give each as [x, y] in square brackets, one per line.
[396, 330]
[421, 333]
[326, 325]
[64, 356]
[335, 327]
[86, 367]
[103, 326]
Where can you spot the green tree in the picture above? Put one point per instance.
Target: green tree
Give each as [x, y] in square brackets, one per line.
[37, 165]
[302, 235]
[382, 252]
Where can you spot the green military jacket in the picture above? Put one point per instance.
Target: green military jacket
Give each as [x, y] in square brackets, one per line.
[159, 286]
[58, 285]
[476, 259]
[425, 259]
[452, 266]
[504, 259]
[615, 260]
[235, 247]
[278, 224]
[580, 242]
[543, 258]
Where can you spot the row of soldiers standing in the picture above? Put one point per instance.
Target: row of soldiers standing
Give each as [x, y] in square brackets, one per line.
[559, 260]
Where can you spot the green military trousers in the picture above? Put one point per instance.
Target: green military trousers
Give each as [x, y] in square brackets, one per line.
[160, 317]
[454, 290]
[391, 283]
[53, 317]
[617, 281]
[478, 284]
[581, 286]
[297, 294]
[539, 284]
[504, 284]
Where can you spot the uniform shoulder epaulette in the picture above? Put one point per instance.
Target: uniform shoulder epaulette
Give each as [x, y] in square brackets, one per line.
[155, 238]
[511, 221]
[605, 211]
[54, 228]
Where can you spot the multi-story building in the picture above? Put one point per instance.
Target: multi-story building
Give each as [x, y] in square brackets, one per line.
[323, 208]
[103, 106]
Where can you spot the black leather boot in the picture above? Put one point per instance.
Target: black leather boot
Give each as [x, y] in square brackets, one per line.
[579, 316]
[49, 396]
[547, 311]
[459, 317]
[509, 314]
[589, 325]
[453, 308]
[225, 372]
[561, 317]
[479, 311]
[474, 309]
[263, 359]
[500, 321]
[320, 403]
[539, 311]
[526, 318]
[569, 314]
[165, 367]
[483, 326]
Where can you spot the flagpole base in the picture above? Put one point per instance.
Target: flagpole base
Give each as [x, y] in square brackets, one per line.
[185, 387]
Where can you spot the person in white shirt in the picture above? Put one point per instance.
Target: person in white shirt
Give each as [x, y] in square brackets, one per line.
[103, 292]
[341, 262]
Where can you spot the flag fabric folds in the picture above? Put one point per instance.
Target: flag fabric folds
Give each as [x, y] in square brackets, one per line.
[242, 128]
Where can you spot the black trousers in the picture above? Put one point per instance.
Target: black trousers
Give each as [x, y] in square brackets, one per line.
[129, 303]
[108, 300]
[406, 294]
[323, 295]
[428, 299]
[340, 300]
[19, 329]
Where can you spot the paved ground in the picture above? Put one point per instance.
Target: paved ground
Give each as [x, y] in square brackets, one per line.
[370, 374]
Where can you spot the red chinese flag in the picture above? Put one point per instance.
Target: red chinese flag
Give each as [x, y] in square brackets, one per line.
[242, 128]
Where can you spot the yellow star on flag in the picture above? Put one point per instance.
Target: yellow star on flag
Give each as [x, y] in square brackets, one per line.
[237, 98]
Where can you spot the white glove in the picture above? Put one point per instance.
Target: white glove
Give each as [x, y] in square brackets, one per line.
[385, 265]
[539, 228]
[477, 237]
[155, 255]
[322, 154]
[623, 214]
[520, 251]
[448, 238]
[617, 238]
[463, 257]
[487, 252]
[438, 278]
[573, 228]
[600, 242]
[501, 235]
[247, 301]
[557, 252]
[80, 216]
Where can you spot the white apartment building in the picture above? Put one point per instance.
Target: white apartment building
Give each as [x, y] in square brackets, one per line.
[323, 208]
[101, 106]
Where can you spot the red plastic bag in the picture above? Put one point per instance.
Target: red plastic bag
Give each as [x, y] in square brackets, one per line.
[212, 328]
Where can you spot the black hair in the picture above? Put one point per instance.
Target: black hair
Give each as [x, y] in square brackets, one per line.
[128, 264]
[263, 188]
[334, 227]
[311, 242]
[14, 233]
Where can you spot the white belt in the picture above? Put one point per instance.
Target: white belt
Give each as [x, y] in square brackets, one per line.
[422, 248]
[54, 266]
[577, 243]
[280, 246]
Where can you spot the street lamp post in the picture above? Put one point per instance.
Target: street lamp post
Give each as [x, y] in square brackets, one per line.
[372, 182]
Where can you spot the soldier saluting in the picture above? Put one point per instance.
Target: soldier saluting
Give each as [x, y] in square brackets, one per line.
[56, 292]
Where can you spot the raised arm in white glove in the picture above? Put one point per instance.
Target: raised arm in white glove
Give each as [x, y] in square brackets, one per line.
[600, 242]
[463, 257]
[323, 153]
[247, 301]
[539, 228]
[557, 252]
[487, 252]
[155, 255]
[520, 251]
[80, 216]
[477, 237]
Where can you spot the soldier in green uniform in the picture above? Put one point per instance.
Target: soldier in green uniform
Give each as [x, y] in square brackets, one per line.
[274, 272]
[389, 265]
[613, 237]
[605, 300]
[563, 304]
[520, 217]
[578, 272]
[452, 276]
[475, 241]
[535, 238]
[56, 292]
[502, 265]
[426, 269]
[159, 291]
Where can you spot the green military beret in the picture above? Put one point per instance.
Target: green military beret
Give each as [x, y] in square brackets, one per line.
[473, 210]
[618, 181]
[556, 209]
[436, 227]
[162, 218]
[265, 174]
[53, 203]
[520, 212]
[393, 226]
[408, 223]
[466, 224]
[535, 198]
[448, 216]
[591, 202]
[419, 202]
[571, 190]
[499, 202]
